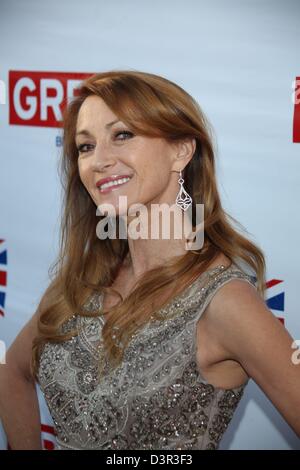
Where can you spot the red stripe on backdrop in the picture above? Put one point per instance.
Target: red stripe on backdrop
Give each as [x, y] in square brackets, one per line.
[3, 278]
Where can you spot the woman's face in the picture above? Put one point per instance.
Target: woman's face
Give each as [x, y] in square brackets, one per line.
[107, 149]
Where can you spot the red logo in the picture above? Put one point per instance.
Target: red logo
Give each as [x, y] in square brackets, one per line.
[38, 98]
[296, 124]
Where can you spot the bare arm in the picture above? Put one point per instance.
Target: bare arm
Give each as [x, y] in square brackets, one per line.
[19, 409]
[250, 334]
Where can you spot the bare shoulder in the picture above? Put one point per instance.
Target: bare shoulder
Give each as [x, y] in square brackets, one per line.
[238, 336]
[239, 322]
[217, 329]
[246, 331]
[236, 309]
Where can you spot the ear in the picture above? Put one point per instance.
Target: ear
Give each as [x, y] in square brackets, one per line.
[184, 151]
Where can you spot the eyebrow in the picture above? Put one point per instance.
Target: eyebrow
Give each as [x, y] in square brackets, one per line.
[107, 126]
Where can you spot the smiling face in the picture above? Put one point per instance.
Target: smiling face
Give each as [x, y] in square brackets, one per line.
[107, 149]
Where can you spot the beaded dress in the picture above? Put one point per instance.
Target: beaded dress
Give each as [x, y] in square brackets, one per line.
[156, 398]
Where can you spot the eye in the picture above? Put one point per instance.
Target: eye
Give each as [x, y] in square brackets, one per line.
[83, 148]
[128, 134]
[80, 148]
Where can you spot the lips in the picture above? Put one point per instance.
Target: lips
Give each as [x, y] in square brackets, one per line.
[111, 178]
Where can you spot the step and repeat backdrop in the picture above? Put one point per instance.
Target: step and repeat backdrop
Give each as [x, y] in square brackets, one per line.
[240, 61]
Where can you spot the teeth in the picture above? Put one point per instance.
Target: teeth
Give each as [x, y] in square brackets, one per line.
[114, 183]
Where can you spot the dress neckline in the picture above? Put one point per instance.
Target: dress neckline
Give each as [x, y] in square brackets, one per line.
[209, 272]
[186, 291]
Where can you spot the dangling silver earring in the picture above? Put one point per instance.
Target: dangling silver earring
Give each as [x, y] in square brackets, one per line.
[183, 199]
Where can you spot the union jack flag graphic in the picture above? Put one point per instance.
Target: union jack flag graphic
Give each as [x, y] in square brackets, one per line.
[3, 276]
[276, 301]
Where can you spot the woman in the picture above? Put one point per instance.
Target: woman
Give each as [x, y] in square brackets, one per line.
[141, 343]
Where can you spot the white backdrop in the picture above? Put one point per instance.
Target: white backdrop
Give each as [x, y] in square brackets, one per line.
[239, 59]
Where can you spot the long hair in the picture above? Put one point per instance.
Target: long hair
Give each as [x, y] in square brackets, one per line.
[151, 106]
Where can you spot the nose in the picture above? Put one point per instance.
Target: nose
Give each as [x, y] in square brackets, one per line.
[102, 159]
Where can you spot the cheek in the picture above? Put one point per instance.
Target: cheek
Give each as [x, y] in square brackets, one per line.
[85, 177]
[152, 184]
[86, 180]
[156, 174]
[83, 173]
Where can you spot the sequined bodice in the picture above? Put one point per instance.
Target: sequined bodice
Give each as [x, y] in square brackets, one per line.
[156, 398]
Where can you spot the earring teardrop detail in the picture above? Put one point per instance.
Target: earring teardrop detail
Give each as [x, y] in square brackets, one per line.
[183, 199]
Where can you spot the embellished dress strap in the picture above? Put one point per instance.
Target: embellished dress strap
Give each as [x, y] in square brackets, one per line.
[217, 278]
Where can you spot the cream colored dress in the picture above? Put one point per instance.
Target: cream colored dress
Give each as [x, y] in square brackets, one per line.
[157, 398]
